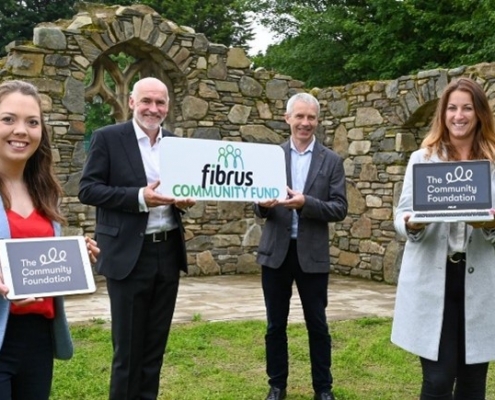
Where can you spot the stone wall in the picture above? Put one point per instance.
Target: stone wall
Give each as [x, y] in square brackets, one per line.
[215, 94]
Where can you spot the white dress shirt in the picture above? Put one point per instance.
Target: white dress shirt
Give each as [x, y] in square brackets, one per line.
[299, 168]
[161, 217]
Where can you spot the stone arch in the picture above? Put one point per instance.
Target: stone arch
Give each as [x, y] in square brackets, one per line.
[138, 32]
[117, 94]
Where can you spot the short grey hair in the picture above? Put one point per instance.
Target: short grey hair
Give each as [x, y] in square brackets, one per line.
[305, 98]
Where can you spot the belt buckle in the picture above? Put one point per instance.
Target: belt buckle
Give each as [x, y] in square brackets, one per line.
[456, 258]
[156, 237]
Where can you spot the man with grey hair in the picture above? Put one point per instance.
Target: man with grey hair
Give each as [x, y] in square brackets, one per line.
[294, 247]
[141, 237]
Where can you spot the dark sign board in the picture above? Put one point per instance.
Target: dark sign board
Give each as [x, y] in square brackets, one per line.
[41, 267]
[448, 186]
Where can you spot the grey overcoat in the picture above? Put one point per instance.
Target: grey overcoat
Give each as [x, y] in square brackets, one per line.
[419, 304]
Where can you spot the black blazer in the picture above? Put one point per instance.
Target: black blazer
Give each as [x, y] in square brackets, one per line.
[111, 179]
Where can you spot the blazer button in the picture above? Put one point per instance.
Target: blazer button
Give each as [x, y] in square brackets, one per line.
[470, 270]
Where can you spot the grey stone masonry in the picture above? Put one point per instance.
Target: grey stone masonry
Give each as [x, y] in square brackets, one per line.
[216, 94]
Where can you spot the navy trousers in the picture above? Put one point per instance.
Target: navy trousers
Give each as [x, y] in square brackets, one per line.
[313, 292]
[142, 307]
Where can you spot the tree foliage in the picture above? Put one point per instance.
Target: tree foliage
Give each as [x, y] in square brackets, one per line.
[19, 17]
[340, 41]
[221, 21]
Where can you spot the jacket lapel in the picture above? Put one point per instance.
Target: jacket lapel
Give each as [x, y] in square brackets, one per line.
[288, 173]
[316, 162]
[133, 154]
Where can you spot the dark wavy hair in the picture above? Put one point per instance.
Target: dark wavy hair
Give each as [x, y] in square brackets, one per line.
[438, 140]
[42, 184]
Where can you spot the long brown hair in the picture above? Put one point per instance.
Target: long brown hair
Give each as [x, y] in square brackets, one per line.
[42, 185]
[438, 140]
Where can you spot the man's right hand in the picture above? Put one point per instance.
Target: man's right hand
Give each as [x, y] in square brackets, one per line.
[155, 199]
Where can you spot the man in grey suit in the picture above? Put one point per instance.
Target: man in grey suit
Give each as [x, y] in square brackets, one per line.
[294, 246]
[141, 237]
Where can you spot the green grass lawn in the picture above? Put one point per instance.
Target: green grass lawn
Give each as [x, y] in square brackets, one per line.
[225, 361]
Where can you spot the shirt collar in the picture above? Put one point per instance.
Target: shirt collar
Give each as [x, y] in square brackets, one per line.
[309, 149]
[140, 135]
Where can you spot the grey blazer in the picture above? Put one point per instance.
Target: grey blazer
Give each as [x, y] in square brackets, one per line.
[420, 296]
[62, 343]
[326, 201]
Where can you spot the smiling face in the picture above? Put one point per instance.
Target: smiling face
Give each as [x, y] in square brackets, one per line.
[149, 102]
[20, 128]
[303, 120]
[460, 117]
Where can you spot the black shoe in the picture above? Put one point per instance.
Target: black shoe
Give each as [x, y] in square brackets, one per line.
[276, 394]
[324, 396]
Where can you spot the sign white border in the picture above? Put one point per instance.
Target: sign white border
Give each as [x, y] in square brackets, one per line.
[5, 266]
[221, 170]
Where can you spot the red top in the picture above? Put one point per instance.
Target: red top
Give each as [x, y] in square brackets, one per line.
[34, 225]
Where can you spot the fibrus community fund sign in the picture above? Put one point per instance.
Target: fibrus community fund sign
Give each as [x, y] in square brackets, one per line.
[220, 170]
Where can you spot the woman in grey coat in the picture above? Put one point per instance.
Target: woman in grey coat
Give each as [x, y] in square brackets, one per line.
[445, 300]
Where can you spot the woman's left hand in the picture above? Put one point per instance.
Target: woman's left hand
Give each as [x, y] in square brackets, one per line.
[3, 288]
[93, 249]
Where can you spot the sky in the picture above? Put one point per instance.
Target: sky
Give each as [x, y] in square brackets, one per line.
[262, 38]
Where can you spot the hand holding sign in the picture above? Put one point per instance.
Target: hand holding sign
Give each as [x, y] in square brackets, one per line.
[27, 301]
[484, 224]
[185, 203]
[295, 200]
[4, 291]
[411, 226]
[154, 199]
[268, 203]
[3, 288]
[93, 249]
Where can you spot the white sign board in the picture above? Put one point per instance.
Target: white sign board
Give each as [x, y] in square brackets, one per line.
[220, 170]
